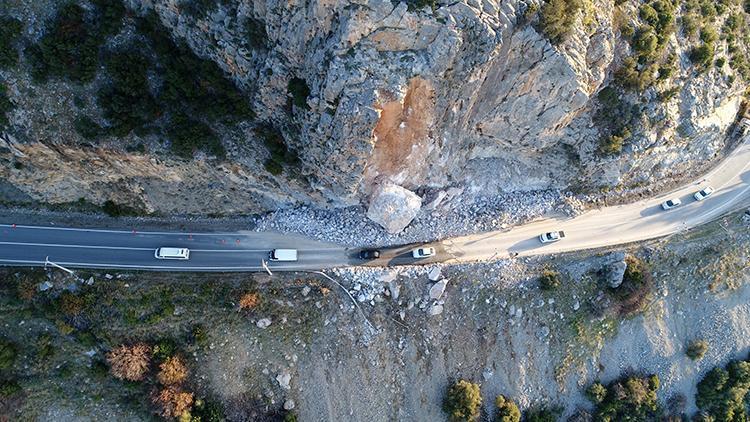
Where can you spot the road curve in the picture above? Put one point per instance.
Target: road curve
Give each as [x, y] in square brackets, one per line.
[621, 224]
[243, 251]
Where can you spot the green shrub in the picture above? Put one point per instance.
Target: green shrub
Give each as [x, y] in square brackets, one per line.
[197, 8]
[558, 17]
[300, 91]
[109, 14]
[45, 350]
[627, 398]
[596, 392]
[188, 135]
[507, 410]
[281, 155]
[127, 102]
[209, 411]
[6, 106]
[290, 417]
[10, 32]
[696, 349]
[8, 353]
[257, 37]
[550, 279]
[69, 47]
[721, 393]
[164, 349]
[542, 414]
[702, 55]
[413, 5]
[637, 283]
[9, 388]
[273, 167]
[87, 127]
[645, 44]
[463, 401]
[114, 209]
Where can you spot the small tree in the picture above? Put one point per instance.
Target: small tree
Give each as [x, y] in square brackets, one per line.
[507, 410]
[696, 349]
[8, 353]
[463, 400]
[130, 362]
[172, 371]
[542, 414]
[549, 280]
[596, 392]
[249, 301]
[173, 402]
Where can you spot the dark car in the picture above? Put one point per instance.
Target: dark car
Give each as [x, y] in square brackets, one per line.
[369, 254]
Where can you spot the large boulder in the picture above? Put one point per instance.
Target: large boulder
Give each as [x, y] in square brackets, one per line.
[615, 273]
[393, 207]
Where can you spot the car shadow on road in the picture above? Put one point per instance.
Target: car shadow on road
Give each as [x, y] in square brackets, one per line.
[526, 245]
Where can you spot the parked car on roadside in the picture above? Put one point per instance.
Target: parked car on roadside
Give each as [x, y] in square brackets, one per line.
[671, 203]
[424, 252]
[550, 237]
[703, 193]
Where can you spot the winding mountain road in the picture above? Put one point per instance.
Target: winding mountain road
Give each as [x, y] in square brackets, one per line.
[22, 245]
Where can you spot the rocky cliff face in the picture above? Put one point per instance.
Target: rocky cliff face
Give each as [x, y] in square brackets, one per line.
[468, 95]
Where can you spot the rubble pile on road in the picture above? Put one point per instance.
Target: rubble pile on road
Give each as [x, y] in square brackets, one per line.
[439, 218]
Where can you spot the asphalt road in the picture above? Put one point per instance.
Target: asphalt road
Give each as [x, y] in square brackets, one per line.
[243, 251]
[84, 248]
[620, 224]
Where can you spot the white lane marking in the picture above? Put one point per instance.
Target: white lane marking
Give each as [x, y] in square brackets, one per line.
[149, 267]
[127, 248]
[57, 245]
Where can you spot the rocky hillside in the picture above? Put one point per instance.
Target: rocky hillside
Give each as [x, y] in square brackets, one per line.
[349, 101]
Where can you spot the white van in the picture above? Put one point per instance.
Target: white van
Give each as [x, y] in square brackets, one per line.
[172, 253]
[283, 255]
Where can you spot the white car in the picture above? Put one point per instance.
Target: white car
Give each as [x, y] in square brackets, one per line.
[422, 252]
[671, 203]
[703, 193]
[550, 237]
[172, 253]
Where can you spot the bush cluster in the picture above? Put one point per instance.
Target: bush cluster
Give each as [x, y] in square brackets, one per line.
[507, 410]
[615, 116]
[88, 128]
[127, 102]
[627, 398]
[10, 32]
[130, 362]
[6, 105]
[8, 353]
[257, 38]
[70, 45]
[299, 92]
[463, 401]
[696, 349]
[281, 154]
[550, 279]
[542, 414]
[558, 17]
[722, 393]
[634, 292]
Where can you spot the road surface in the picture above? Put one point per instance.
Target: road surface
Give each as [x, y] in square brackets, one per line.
[244, 251]
[619, 224]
